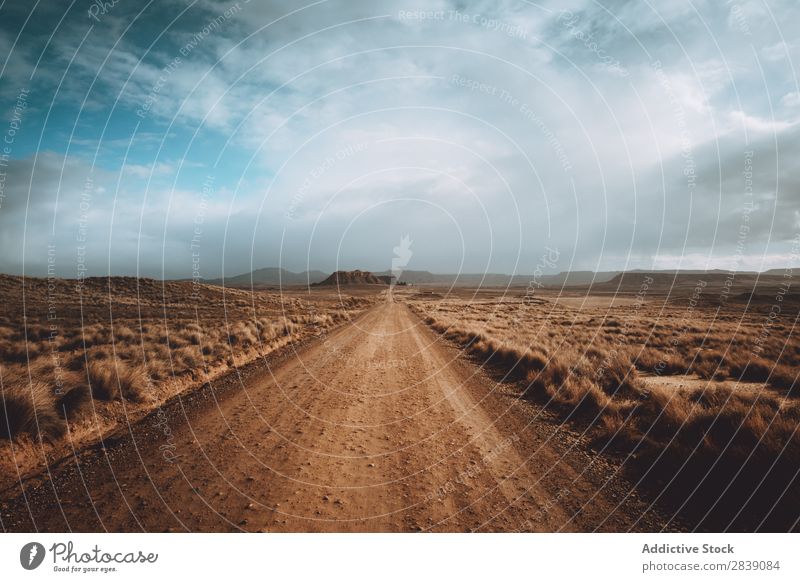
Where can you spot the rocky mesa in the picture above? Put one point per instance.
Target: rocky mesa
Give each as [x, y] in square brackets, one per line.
[356, 277]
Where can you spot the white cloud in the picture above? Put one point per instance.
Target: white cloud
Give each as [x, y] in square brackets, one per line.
[791, 99]
[759, 124]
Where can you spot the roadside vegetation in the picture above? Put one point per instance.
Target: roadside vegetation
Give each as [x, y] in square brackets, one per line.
[123, 346]
[724, 444]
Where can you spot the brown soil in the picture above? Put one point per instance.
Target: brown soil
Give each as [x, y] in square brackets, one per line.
[377, 426]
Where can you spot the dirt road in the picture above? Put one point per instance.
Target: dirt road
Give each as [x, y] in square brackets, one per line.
[377, 427]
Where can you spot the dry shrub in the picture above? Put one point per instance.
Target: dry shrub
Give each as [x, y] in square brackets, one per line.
[94, 336]
[68, 388]
[617, 376]
[267, 332]
[188, 359]
[101, 353]
[29, 408]
[751, 370]
[708, 364]
[288, 327]
[784, 377]
[19, 350]
[133, 382]
[102, 381]
[545, 379]
[706, 369]
[712, 451]
[158, 352]
[509, 359]
[176, 341]
[761, 370]
[647, 359]
[122, 333]
[714, 396]
[241, 334]
[745, 451]
[579, 396]
[74, 396]
[340, 315]
[193, 327]
[672, 365]
[661, 414]
[116, 380]
[129, 354]
[324, 320]
[222, 351]
[157, 368]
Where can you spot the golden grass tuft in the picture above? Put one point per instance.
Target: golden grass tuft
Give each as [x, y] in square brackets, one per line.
[29, 408]
[116, 380]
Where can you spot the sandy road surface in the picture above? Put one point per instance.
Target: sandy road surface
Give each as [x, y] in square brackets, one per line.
[378, 427]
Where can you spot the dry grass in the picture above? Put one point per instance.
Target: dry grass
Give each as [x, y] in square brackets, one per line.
[160, 341]
[29, 409]
[692, 446]
[116, 381]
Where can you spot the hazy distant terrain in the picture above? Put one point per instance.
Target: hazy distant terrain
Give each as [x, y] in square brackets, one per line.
[270, 276]
[275, 277]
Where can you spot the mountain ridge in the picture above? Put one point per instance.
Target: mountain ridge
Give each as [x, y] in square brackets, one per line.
[276, 276]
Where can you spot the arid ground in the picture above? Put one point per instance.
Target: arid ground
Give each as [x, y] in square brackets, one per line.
[637, 405]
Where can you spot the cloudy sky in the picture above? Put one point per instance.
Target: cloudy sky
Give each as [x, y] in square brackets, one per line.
[218, 137]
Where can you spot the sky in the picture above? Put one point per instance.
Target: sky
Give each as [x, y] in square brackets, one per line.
[187, 138]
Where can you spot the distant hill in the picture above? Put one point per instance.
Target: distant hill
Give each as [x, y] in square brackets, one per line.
[715, 286]
[356, 277]
[501, 279]
[276, 277]
[567, 278]
[271, 276]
